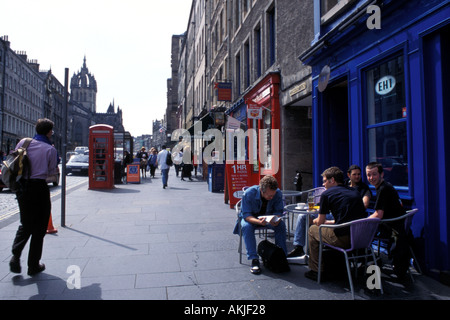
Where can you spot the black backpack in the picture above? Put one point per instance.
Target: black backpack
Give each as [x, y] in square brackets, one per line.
[169, 161]
[273, 257]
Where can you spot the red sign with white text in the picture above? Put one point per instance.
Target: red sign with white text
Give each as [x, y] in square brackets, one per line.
[238, 177]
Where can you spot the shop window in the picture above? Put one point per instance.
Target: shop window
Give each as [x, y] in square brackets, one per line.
[386, 120]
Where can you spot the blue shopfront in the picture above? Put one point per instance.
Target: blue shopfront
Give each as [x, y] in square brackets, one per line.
[383, 94]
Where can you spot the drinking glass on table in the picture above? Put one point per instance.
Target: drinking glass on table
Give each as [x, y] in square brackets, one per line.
[311, 201]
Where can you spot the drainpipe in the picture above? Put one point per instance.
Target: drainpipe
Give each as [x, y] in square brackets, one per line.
[4, 44]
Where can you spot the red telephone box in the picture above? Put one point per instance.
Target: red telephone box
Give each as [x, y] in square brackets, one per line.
[101, 157]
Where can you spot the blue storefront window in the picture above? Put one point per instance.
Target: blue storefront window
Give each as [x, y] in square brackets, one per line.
[386, 119]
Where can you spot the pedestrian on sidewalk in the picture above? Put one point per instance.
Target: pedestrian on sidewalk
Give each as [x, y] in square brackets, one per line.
[187, 166]
[178, 162]
[152, 163]
[163, 166]
[34, 198]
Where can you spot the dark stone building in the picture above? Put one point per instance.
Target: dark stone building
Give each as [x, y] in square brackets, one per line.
[111, 118]
[83, 109]
[83, 105]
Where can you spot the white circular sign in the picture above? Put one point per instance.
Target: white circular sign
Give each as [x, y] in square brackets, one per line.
[324, 77]
[385, 85]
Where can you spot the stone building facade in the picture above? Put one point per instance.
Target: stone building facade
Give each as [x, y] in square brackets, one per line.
[22, 92]
[244, 43]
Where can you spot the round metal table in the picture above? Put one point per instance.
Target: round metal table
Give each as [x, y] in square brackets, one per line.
[293, 208]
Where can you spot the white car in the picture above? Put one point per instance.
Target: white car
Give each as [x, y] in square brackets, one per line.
[78, 165]
[81, 150]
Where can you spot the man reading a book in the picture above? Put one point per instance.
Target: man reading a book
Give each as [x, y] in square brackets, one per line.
[259, 204]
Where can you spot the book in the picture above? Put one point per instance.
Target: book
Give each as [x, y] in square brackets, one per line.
[271, 218]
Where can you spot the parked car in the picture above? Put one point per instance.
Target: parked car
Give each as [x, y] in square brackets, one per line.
[70, 154]
[81, 149]
[78, 164]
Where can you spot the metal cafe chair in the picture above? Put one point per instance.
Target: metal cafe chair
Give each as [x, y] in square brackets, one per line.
[317, 193]
[362, 233]
[408, 217]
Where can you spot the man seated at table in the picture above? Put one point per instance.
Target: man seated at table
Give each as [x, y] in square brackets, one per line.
[259, 200]
[355, 182]
[345, 204]
[387, 206]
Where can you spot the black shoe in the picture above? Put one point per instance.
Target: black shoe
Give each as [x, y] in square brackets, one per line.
[182, 179]
[35, 270]
[297, 252]
[14, 265]
[311, 275]
[255, 267]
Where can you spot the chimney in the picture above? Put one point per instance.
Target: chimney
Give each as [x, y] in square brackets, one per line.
[34, 64]
[5, 39]
[22, 54]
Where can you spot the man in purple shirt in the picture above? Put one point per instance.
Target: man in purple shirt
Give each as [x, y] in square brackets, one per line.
[34, 198]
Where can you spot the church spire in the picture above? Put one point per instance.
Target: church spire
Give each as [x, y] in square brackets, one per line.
[84, 62]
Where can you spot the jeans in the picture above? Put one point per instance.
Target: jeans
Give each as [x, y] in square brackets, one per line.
[165, 176]
[300, 229]
[248, 234]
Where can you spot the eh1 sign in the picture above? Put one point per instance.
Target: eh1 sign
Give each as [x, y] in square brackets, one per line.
[385, 85]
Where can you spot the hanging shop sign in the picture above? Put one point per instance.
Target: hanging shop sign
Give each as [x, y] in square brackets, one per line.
[254, 111]
[224, 91]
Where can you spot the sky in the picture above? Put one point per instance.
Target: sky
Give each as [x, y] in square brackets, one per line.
[127, 45]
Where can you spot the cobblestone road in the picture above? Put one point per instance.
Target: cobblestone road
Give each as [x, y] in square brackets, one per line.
[8, 202]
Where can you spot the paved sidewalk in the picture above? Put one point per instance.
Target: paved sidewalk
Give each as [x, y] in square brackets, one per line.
[140, 241]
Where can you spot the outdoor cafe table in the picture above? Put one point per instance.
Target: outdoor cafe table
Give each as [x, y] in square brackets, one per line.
[293, 208]
[292, 194]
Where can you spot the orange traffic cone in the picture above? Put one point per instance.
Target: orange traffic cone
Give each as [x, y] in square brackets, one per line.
[50, 227]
